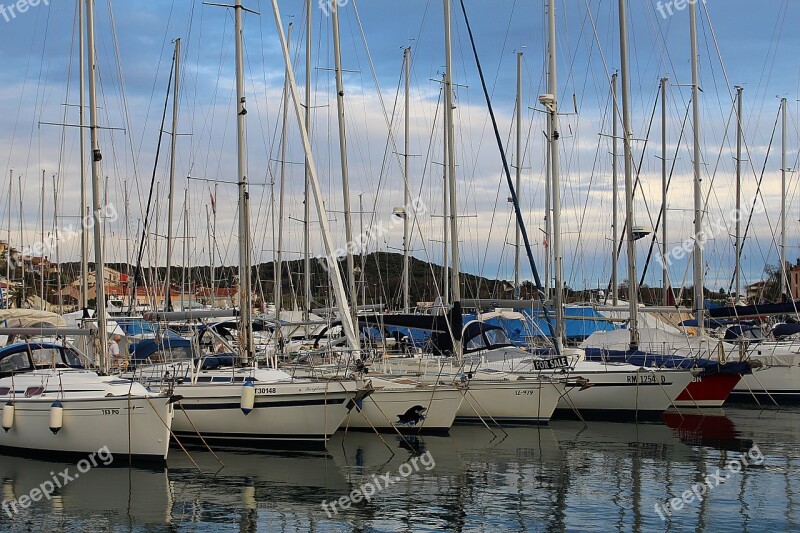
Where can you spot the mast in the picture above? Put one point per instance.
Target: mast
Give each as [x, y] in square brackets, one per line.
[784, 291]
[21, 235]
[737, 272]
[633, 295]
[171, 206]
[245, 291]
[445, 211]
[615, 194]
[99, 261]
[406, 189]
[42, 257]
[455, 279]
[84, 207]
[127, 243]
[664, 245]
[363, 274]
[278, 266]
[552, 88]
[306, 197]
[214, 247]
[348, 223]
[519, 172]
[185, 248]
[698, 200]
[154, 277]
[8, 230]
[548, 210]
[58, 252]
[106, 231]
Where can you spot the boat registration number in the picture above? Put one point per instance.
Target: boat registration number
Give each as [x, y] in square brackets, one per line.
[266, 390]
[551, 363]
[110, 411]
[646, 378]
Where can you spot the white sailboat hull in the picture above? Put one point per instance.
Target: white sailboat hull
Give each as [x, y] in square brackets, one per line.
[602, 390]
[289, 413]
[408, 410]
[779, 383]
[520, 401]
[136, 426]
[624, 393]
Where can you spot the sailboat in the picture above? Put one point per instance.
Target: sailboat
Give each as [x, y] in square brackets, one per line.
[594, 389]
[52, 406]
[236, 402]
[715, 377]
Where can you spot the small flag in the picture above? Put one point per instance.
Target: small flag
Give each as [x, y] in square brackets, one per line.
[213, 203]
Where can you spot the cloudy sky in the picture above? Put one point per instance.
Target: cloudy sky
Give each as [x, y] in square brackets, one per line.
[740, 43]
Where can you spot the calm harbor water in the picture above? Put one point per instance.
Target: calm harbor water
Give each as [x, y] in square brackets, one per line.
[569, 476]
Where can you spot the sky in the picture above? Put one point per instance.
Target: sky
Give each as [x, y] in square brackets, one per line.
[737, 45]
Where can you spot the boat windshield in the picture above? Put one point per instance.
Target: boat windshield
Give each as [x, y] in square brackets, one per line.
[497, 337]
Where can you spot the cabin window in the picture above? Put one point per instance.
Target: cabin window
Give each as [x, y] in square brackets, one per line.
[476, 343]
[46, 356]
[71, 358]
[497, 336]
[15, 363]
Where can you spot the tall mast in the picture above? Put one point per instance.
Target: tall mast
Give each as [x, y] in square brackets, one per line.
[105, 219]
[548, 195]
[185, 248]
[633, 295]
[214, 247]
[664, 244]
[84, 207]
[306, 197]
[445, 211]
[8, 230]
[127, 243]
[737, 272]
[99, 261]
[171, 207]
[21, 235]
[154, 277]
[41, 259]
[552, 89]
[58, 251]
[278, 266]
[348, 223]
[245, 291]
[698, 199]
[519, 172]
[455, 280]
[614, 192]
[783, 274]
[406, 188]
[363, 266]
